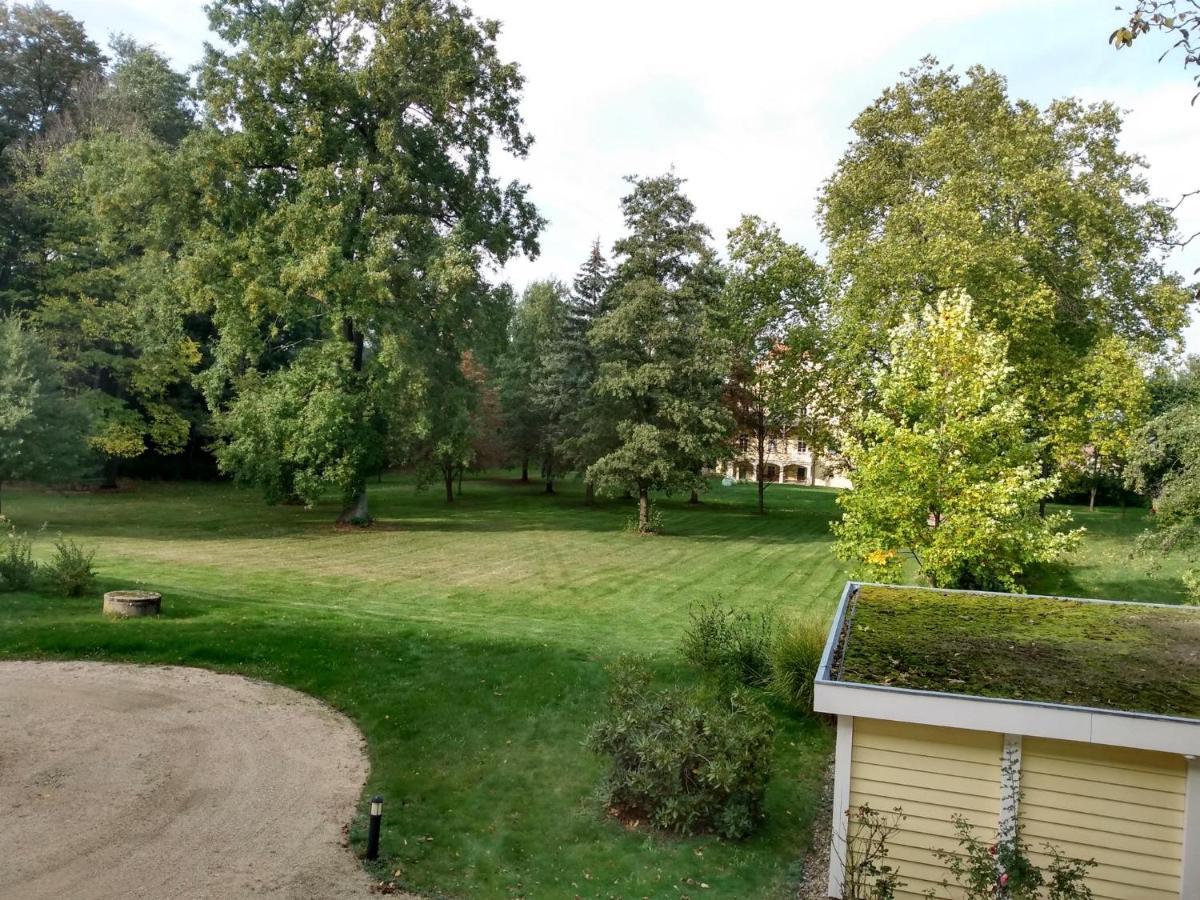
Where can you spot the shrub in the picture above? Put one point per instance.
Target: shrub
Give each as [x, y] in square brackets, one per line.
[684, 759]
[70, 569]
[723, 640]
[984, 870]
[17, 568]
[867, 873]
[795, 657]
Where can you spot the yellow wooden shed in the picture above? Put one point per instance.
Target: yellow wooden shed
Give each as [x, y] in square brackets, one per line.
[1077, 721]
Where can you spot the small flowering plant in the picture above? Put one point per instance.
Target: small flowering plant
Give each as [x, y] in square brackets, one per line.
[1004, 871]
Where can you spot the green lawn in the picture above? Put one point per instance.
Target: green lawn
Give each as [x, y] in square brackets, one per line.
[469, 644]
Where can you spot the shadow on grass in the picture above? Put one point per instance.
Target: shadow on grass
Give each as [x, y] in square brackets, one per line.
[220, 512]
[476, 742]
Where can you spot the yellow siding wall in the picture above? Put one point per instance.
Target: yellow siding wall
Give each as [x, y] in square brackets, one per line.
[931, 773]
[1124, 808]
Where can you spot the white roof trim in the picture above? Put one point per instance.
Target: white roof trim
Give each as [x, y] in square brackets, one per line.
[1140, 731]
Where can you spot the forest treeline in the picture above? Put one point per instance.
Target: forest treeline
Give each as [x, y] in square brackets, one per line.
[280, 267]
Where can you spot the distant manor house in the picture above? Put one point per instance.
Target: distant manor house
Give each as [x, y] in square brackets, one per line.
[787, 460]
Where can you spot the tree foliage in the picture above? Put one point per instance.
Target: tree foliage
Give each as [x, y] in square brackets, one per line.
[1112, 394]
[1178, 19]
[1035, 212]
[44, 54]
[1165, 466]
[772, 317]
[350, 205]
[944, 472]
[584, 421]
[99, 273]
[658, 367]
[41, 427]
[532, 413]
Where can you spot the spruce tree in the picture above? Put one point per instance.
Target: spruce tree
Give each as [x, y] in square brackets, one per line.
[41, 428]
[582, 428]
[657, 365]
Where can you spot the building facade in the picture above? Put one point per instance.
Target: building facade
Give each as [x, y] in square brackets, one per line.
[786, 460]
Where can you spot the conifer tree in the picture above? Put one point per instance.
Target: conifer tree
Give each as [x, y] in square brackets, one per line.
[657, 365]
[582, 424]
[537, 323]
[41, 427]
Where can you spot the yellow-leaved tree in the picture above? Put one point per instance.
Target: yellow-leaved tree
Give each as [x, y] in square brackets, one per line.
[944, 470]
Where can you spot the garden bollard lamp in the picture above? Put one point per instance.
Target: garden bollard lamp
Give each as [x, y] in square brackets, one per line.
[373, 827]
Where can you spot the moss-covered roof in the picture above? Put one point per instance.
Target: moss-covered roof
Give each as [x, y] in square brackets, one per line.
[1124, 656]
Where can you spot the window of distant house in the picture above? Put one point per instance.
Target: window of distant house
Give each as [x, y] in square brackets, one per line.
[772, 445]
[743, 443]
[801, 446]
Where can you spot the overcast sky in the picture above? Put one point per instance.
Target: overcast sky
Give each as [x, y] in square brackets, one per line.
[752, 102]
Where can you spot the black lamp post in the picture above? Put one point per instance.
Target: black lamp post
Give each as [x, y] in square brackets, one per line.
[373, 827]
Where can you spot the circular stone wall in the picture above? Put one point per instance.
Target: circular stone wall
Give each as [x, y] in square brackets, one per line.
[130, 604]
[153, 782]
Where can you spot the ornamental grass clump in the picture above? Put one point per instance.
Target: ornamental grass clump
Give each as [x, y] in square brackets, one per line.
[686, 760]
[795, 657]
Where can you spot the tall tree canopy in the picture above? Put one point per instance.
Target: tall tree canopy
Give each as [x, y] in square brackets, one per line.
[1036, 213]
[660, 367]
[586, 428]
[351, 205]
[943, 472]
[773, 319]
[537, 322]
[41, 427]
[44, 55]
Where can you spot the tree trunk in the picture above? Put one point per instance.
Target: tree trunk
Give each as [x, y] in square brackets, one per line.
[760, 473]
[461, 470]
[589, 493]
[550, 484]
[525, 471]
[108, 481]
[2, 497]
[695, 498]
[356, 511]
[1042, 508]
[448, 477]
[1092, 499]
[643, 510]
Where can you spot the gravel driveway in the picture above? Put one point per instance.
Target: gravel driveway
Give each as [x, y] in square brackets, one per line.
[131, 781]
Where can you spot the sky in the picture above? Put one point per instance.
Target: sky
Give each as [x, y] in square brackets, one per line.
[752, 103]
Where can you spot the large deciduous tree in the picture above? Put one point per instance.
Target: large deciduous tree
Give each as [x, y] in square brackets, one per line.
[352, 206]
[44, 55]
[98, 268]
[772, 319]
[1035, 212]
[660, 367]
[943, 471]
